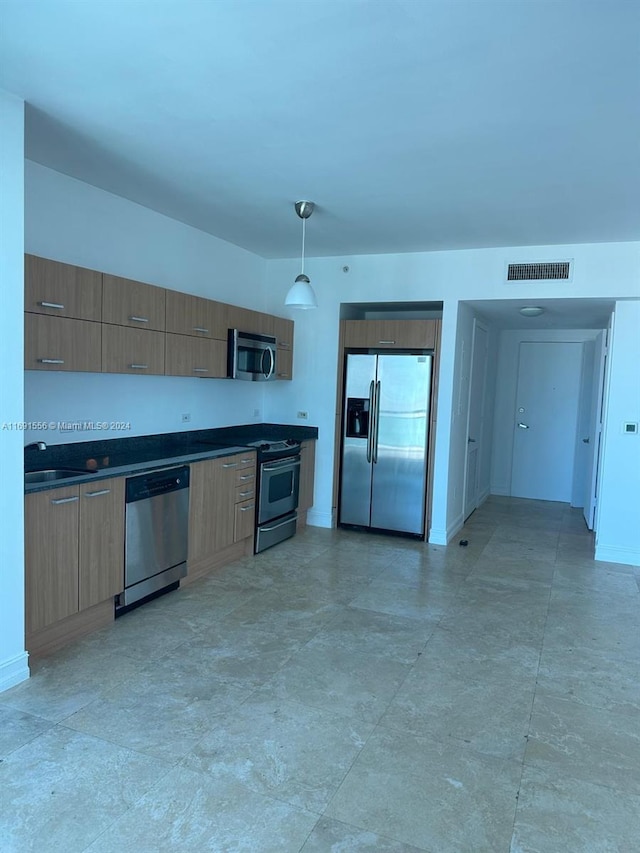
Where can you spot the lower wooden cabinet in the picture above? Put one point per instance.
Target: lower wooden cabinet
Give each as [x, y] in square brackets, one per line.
[61, 343]
[307, 474]
[74, 550]
[217, 488]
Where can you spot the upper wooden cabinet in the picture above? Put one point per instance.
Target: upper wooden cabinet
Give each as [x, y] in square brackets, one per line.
[61, 290]
[283, 330]
[132, 350]
[132, 303]
[186, 356]
[60, 343]
[390, 334]
[246, 320]
[196, 316]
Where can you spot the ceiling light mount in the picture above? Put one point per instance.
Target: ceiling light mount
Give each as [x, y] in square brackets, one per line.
[301, 293]
[531, 310]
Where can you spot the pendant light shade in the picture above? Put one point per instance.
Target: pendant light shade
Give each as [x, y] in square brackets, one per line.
[301, 294]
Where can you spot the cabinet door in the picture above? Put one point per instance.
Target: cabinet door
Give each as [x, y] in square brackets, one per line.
[307, 474]
[196, 316]
[247, 320]
[407, 334]
[58, 343]
[132, 303]
[101, 554]
[132, 350]
[186, 356]
[61, 290]
[245, 520]
[51, 556]
[283, 330]
[284, 364]
[212, 492]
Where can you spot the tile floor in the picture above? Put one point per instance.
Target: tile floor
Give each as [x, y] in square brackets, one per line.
[348, 692]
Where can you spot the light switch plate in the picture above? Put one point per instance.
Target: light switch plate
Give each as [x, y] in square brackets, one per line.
[630, 428]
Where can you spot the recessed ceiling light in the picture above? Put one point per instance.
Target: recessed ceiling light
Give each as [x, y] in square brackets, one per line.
[531, 311]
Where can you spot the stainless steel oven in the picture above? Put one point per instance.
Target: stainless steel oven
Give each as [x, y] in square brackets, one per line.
[278, 490]
[251, 357]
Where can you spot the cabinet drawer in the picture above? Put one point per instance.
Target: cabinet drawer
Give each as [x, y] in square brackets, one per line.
[132, 303]
[61, 290]
[132, 350]
[196, 316]
[59, 343]
[245, 492]
[245, 477]
[244, 520]
[186, 356]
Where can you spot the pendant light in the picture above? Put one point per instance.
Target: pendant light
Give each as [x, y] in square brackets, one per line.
[301, 294]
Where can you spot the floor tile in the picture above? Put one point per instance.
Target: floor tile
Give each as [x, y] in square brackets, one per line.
[18, 728]
[416, 790]
[427, 603]
[291, 751]
[189, 812]
[559, 813]
[61, 790]
[572, 739]
[332, 836]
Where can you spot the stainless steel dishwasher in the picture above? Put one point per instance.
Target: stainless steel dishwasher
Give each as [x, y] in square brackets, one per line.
[156, 533]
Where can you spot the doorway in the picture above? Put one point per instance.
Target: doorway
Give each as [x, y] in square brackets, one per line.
[475, 421]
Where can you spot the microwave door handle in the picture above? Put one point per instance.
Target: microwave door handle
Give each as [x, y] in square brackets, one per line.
[266, 371]
[272, 363]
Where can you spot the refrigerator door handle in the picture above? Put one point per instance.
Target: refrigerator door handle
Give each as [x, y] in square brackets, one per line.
[376, 423]
[370, 430]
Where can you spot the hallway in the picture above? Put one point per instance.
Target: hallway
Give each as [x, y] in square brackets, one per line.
[348, 692]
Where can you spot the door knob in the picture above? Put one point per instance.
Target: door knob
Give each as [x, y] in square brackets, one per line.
[523, 426]
[586, 440]
[471, 441]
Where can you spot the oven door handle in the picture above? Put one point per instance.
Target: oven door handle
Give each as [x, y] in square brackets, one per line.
[286, 463]
[276, 526]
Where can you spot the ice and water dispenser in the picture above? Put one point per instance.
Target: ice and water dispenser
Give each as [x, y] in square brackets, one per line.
[357, 425]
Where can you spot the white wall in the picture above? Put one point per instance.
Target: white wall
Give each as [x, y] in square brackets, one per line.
[505, 395]
[600, 270]
[618, 516]
[13, 658]
[70, 221]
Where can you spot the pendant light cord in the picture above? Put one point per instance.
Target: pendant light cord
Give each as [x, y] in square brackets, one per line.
[304, 222]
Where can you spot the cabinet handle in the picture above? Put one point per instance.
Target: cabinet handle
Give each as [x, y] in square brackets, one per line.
[247, 508]
[97, 494]
[135, 319]
[284, 344]
[283, 375]
[201, 329]
[229, 464]
[200, 369]
[245, 494]
[386, 342]
[57, 305]
[64, 500]
[51, 360]
[247, 477]
[139, 366]
[244, 461]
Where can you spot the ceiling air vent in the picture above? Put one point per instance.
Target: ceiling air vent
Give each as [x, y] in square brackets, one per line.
[546, 271]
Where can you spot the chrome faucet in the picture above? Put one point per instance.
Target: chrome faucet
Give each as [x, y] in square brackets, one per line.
[40, 445]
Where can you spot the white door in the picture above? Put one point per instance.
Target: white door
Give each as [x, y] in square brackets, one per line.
[475, 437]
[594, 434]
[546, 417]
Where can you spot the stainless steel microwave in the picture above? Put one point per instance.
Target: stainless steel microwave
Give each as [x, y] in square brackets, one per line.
[251, 357]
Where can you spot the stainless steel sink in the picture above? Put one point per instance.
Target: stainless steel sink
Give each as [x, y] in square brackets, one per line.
[52, 474]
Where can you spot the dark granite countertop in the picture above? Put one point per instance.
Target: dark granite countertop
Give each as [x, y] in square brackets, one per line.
[118, 457]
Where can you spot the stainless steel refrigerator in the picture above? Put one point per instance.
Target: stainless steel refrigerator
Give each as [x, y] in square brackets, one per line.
[384, 441]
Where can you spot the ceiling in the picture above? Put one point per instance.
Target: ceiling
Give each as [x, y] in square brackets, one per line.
[414, 126]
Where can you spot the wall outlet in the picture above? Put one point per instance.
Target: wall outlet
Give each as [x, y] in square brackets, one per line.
[303, 416]
[185, 417]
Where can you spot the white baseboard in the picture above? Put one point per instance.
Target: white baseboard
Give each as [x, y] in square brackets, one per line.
[438, 536]
[616, 554]
[454, 526]
[483, 496]
[317, 518]
[497, 489]
[14, 670]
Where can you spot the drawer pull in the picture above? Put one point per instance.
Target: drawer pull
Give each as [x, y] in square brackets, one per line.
[64, 500]
[386, 342]
[135, 319]
[51, 360]
[97, 494]
[200, 369]
[247, 508]
[245, 494]
[57, 305]
[201, 329]
[139, 366]
[283, 375]
[247, 477]
[229, 464]
[244, 461]
[284, 344]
